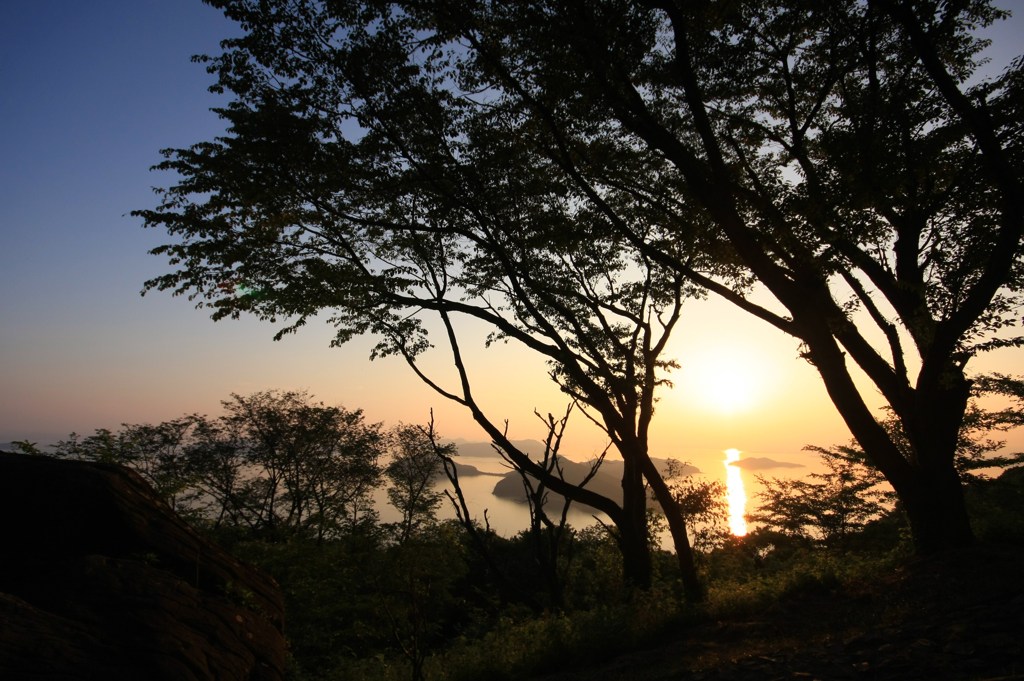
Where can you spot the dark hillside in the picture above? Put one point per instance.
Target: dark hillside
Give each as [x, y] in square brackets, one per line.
[958, 616]
[101, 580]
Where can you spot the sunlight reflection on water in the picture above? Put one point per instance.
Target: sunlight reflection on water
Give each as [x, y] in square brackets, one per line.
[736, 495]
[508, 517]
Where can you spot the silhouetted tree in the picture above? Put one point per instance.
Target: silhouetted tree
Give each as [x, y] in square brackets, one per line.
[560, 170]
[382, 198]
[27, 447]
[216, 469]
[845, 153]
[703, 502]
[412, 473]
[977, 446]
[482, 538]
[832, 505]
[157, 452]
[551, 540]
[275, 463]
[828, 506]
[310, 468]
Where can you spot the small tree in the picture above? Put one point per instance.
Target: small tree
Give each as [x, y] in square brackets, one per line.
[27, 447]
[979, 446]
[826, 507]
[549, 539]
[852, 493]
[703, 503]
[312, 467]
[414, 469]
[276, 463]
[214, 459]
[157, 452]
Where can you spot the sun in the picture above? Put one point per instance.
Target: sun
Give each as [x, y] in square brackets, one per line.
[730, 389]
[722, 381]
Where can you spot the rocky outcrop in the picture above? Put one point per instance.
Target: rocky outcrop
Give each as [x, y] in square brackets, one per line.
[99, 579]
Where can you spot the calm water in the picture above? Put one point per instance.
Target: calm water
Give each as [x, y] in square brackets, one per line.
[507, 517]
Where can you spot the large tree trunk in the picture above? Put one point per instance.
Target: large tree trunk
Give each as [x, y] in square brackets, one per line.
[633, 531]
[934, 499]
[924, 478]
[934, 504]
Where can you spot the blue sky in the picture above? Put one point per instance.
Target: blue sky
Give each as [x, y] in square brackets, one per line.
[91, 91]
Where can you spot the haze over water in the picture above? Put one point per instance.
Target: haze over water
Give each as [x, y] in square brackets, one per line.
[508, 517]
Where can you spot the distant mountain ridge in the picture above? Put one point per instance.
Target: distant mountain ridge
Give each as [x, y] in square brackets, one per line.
[486, 450]
[607, 481]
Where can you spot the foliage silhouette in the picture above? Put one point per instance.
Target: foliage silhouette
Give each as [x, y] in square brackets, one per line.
[567, 173]
[414, 467]
[827, 507]
[365, 602]
[275, 463]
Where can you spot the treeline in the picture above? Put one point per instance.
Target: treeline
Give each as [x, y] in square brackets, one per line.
[285, 483]
[275, 465]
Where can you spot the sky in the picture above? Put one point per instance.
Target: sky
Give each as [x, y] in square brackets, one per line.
[91, 91]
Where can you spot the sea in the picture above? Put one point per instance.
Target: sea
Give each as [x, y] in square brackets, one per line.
[508, 517]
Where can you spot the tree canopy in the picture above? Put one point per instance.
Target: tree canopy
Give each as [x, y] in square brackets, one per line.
[275, 464]
[568, 172]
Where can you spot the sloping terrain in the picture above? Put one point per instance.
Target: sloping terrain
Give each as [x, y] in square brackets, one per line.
[954, 617]
[101, 580]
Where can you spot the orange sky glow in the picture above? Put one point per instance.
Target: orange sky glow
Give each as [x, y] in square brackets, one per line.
[80, 349]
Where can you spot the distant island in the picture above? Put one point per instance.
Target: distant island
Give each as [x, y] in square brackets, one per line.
[761, 463]
[466, 470]
[607, 482]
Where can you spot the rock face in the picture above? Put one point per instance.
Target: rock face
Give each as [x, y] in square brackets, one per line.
[99, 579]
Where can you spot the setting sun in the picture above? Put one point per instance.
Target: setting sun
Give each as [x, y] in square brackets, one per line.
[736, 495]
[730, 390]
[726, 380]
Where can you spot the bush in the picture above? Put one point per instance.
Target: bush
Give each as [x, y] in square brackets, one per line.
[997, 507]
